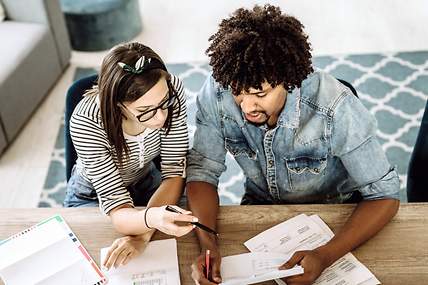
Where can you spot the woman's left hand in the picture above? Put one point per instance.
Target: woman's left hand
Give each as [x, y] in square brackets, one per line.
[125, 248]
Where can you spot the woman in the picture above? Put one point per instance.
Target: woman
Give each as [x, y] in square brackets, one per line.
[136, 113]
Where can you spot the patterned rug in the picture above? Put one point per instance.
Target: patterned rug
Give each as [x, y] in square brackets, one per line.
[393, 86]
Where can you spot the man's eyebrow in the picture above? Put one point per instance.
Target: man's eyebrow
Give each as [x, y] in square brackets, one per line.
[259, 92]
[143, 108]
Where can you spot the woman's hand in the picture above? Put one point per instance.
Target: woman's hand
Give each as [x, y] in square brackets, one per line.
[165, 221]
[124, 249]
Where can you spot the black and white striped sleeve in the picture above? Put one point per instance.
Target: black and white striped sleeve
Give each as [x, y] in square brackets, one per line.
[91, 144]
[174, 146]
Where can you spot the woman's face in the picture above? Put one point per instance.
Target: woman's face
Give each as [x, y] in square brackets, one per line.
[150, 109]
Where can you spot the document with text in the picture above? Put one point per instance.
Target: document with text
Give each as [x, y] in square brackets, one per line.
[255, 267]
[156, 265]
[306, 233]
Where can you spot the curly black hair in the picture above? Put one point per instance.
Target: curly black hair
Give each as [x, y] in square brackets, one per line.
[258, 45]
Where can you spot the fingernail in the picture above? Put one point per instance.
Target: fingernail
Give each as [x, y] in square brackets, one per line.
[194, 226]
[195, 220]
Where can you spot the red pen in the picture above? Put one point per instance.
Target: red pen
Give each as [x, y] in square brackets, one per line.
[207, 262]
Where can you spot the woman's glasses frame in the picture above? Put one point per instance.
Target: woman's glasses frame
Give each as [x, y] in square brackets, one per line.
[171, 98]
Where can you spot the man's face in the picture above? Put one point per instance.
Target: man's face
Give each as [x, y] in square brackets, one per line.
[264, 105]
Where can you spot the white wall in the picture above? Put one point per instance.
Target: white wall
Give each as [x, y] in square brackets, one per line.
[179, 30]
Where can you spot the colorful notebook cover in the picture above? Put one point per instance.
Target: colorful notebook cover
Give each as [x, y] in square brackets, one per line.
[47, 253]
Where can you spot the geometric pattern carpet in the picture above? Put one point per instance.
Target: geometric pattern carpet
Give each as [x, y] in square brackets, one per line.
[393, 86]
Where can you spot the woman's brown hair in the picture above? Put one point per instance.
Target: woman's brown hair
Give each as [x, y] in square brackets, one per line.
[116, 85]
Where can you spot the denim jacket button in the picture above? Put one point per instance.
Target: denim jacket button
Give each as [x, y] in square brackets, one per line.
[316, 170]
[270, 163]
[297, 169]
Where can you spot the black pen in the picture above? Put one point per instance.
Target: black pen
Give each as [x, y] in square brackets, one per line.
[199, 225]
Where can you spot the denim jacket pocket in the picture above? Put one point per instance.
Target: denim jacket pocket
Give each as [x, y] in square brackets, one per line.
[305, 172]
[239, 147]
[246, 157]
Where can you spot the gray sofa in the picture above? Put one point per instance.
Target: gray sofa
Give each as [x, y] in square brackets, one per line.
[34, 51]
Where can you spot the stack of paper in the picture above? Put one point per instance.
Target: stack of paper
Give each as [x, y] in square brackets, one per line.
[306, 233]
[47, 253]
[157, 265]
[250, 268]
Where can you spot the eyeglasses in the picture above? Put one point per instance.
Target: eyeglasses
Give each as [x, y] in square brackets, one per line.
[168, 101]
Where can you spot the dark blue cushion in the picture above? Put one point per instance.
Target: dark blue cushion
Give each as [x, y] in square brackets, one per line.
[417, 178]
[73, 97]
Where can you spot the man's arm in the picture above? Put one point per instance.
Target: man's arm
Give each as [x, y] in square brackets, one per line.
[368, 218]
[205, 163]
[203, 201]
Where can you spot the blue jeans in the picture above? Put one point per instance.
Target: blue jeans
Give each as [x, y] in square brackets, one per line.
[81, 193]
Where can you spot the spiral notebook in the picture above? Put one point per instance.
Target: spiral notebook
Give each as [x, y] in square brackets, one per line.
[47, 253]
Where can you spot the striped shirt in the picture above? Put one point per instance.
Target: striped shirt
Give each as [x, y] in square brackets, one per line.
[97, 160]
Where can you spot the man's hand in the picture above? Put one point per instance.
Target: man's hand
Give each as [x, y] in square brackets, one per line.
[198, 269]
[313, 264]
[125, 248]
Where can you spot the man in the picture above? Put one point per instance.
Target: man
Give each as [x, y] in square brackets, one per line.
[299, 136]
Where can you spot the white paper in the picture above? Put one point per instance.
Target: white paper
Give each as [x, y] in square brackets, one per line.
[350, 258]
[307, 233]
[298, 233]
[48, 253]
[250, 268]
[156, 265]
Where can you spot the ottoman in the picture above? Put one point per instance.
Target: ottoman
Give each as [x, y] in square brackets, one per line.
[95, 25]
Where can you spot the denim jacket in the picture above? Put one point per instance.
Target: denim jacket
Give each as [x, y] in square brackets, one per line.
[322, 149]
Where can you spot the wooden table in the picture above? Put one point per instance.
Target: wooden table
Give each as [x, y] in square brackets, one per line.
[397, 255]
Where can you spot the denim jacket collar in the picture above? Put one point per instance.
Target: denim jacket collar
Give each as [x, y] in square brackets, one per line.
[290, 114]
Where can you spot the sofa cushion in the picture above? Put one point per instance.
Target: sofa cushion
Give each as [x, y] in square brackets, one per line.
[29, 66]
[46, 12]
[21, 40]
